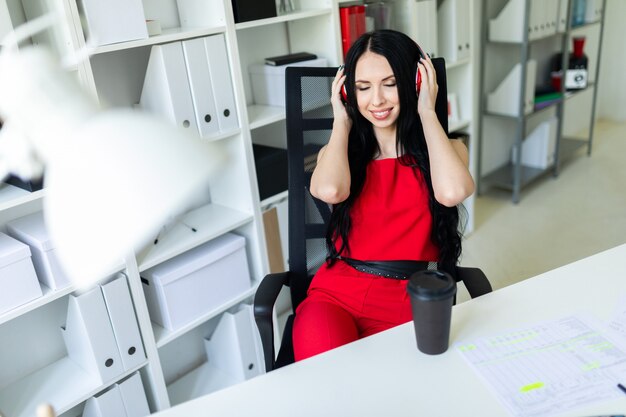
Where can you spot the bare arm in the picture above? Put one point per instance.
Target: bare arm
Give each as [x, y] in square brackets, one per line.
[449, 159]
[331, 178]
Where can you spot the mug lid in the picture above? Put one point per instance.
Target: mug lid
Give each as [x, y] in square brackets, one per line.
[431, 285]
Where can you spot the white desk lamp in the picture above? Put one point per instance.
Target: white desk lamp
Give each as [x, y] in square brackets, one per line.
[112, 178]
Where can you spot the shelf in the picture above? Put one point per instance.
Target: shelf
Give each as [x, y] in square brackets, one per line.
[503, 177]
[168, 35]
[568, 146]
[530, 41]
[63, 384]
[210, 221]
[269, 202]
[11, 196]
[585, 25]
[163, 336]
[48, 296]
[572, 93]
[201, 381]
[222, 135]
[457, 64]
[259, 115]
[297, 15]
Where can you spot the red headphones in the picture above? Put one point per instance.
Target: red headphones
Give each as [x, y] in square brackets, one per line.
[418, 79]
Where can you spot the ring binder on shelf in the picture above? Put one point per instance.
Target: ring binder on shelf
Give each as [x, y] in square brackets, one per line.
[166, 88]
[134, 396]
[202, 94]
[222, 82]
[124, 322]
[234, 346]
[107, 404]
[89, 336]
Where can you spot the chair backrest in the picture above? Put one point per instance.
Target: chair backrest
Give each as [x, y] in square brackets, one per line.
[309, 120]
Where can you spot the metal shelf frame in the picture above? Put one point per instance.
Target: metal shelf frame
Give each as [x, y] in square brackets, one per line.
[513, 175]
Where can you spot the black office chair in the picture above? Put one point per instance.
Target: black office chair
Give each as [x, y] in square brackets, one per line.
[309, 124]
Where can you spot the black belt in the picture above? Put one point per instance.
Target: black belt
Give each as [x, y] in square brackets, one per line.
[388, 269]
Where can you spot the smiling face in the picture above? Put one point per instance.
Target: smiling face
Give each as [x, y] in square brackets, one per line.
[377, 93]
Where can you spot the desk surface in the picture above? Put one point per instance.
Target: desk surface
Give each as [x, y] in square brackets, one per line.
[385, 374]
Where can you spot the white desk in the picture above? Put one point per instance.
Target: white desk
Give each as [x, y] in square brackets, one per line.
[385, 375]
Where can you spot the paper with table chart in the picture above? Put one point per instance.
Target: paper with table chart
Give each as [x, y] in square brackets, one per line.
[551, 367]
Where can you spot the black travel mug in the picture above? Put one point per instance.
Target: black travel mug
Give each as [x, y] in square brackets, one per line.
[432, 295]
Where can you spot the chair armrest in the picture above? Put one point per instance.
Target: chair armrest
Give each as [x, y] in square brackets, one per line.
[264, 300]
[475, 281]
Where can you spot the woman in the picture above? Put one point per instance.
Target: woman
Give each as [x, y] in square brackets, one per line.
[394, 180]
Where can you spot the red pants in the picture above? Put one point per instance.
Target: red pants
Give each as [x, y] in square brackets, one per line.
[344, 305]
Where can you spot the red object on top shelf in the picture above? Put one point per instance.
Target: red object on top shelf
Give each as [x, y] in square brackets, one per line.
[352, 19]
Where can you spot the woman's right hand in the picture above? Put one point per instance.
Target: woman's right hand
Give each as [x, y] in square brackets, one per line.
[339, 108]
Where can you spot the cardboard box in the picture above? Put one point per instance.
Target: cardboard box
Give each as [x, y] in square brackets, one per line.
[18, 281]
[31, 230]
[197, 281]
[268, 82]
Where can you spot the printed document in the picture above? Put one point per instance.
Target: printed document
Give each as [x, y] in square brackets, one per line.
[550, 367]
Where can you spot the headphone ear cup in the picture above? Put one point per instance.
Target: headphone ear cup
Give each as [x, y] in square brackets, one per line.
[344, 93]
[418, 81]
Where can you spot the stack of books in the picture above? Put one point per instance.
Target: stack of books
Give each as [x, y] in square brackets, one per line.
[547, 99]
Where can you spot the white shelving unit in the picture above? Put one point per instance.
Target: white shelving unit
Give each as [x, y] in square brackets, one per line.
[34, 365]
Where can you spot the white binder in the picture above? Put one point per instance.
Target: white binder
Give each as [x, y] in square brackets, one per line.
[222, 82]
[202, 93]
[89, 336]
[552, 16]
[114, 21]
[124, 322]
[134, 397]
[234, 346]
[166, 86]
[593, 11]
[453, 27]
[107, 404]
[562, 17]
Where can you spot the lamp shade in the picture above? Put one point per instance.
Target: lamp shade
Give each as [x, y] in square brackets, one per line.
[121, 177]
[113, 178]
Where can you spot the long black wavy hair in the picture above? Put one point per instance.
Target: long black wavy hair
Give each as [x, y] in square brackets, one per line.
[402, 53]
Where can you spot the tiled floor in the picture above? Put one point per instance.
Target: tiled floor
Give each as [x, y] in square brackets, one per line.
[558, 220]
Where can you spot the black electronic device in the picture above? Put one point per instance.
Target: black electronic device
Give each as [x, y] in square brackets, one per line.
[247, 10]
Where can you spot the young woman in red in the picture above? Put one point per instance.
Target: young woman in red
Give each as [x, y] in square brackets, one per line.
[394, 180]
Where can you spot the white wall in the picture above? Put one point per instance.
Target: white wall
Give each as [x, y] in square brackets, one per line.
[612, 88]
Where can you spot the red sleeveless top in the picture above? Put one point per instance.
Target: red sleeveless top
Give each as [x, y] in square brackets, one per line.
[391, 219]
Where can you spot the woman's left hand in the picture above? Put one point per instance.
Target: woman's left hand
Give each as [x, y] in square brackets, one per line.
[429, 88]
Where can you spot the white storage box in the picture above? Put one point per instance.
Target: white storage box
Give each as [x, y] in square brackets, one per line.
[113, 21]
[18, 281]
[197, 281]
[268, 81]
[31, 230]
[539, 146]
